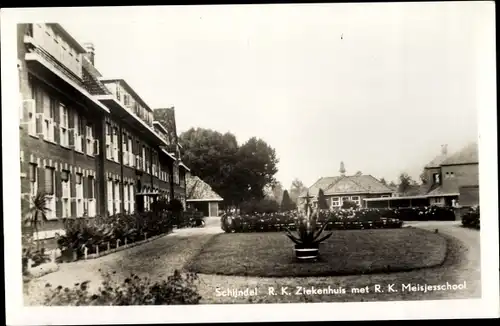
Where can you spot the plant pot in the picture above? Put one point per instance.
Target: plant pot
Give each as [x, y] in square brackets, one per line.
[306, 253]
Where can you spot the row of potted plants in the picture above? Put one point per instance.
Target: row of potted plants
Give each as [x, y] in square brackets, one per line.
[100, 234]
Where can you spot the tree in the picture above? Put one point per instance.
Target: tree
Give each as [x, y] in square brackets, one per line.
[322, 204]
[296, 189]
[359, 173]
[383, 181]
[423, 178]
[277, 191]
[37, 214]
[405, 183]
[287, 204]
[236, 173]
[392, 185]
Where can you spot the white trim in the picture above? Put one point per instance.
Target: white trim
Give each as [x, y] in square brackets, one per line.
[210, 199]
[32, 56]
[50, 234]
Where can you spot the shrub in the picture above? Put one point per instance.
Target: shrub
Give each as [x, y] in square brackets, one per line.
[349, 204]
[472, 218]
[260, 206]
[177, 289]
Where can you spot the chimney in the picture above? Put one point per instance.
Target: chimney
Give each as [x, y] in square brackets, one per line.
[89, 47]
[342, 169]
[444, 149]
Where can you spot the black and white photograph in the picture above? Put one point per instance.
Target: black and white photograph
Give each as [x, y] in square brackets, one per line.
[250, 160]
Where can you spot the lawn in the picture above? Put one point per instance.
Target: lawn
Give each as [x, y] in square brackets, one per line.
[345, 253]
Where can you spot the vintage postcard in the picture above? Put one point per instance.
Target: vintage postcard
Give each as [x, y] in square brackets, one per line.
[250, 163]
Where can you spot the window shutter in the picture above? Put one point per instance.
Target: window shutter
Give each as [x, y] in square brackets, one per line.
[71, 136]
[41, 179]
[85, 187]
[28, 109]
[38, 99]
[58, 193]
[54, 107]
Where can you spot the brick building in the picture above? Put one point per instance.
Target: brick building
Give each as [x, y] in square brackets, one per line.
[353, 188]
[450, 180]
[92, 144]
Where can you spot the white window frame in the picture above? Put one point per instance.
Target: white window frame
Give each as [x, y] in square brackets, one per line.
[110, 198]
[131, 156]
[77, 133]
[66, 195]
[125, 198]
[116, 158]
[131, 198]
[357, 200]
[143, 158]
[63, 125]
[80, 207]
[109, 141]
[90, 140]
[34, 183]
[51, 199]
[117, 200]
[48, 120]
[335, 202]
[91, 202]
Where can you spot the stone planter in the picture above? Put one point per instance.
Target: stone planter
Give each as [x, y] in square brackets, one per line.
[306, 253]
[69, 255]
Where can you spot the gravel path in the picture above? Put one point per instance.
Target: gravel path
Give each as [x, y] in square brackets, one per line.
[161, 257]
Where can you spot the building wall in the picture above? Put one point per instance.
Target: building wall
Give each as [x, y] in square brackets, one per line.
[455, 176]
[358, 198]
[39, 99]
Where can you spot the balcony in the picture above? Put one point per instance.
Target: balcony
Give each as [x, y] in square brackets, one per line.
[140, 126]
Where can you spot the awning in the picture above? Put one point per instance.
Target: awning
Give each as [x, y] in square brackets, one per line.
[184, 166]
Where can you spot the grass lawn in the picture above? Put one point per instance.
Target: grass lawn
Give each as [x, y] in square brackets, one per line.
[345, 253]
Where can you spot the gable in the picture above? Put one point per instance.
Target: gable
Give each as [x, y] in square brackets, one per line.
[345, 185]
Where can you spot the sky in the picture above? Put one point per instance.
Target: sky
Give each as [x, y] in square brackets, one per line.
[378, 86]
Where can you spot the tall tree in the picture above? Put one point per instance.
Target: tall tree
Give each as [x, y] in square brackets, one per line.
[423, 178]
[405, 183]
[296, 189]
[322, 204]
[359, 173]
[287, 204]
[257, 162]
[277, 189]
[393, 185]
[383, 181]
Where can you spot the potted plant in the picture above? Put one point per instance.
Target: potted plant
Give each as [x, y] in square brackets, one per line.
[308, 237]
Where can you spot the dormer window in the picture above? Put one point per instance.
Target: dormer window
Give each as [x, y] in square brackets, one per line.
[437, 178]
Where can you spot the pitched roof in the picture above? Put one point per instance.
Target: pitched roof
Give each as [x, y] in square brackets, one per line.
[348, 184]
[467, 155]
[436, 162]
[198, 190]
[322, 183]
[91, 80]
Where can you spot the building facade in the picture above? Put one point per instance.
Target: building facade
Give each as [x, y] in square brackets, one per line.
[343, 188]
[202, 197]
[90, 143]
[450, 181]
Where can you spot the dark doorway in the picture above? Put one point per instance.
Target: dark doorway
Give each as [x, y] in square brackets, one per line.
[139, 199]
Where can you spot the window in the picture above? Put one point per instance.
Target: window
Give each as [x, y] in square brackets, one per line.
[49, 190]
[436, 178]
[124, 149]
[110, 196]
[335, 202]
[66, 194]
[33, 175]
[143, 158]
[63, 125]
[91, 197]
[131, 198]
[176, 174]
[118, 92]
[117, 197]
[48, 117]
[92, 144]
[356, 199]
[125, 198]
[126, 99]
[109, 152]
[78, 133]
[131, 154]
[79, 194]
[115, 145]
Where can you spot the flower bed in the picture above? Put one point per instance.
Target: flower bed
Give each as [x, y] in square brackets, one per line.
[343, 219]
[91, 236]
